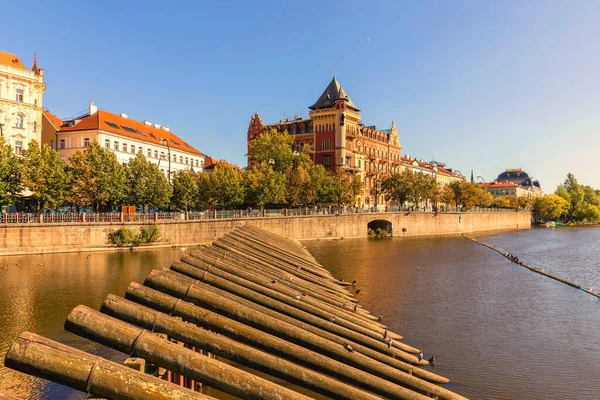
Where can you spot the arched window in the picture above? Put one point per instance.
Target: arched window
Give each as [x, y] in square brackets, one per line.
[19, 121]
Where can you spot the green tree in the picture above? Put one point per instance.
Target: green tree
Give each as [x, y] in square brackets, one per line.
[45, 175]
[399, 186]
[227, 185]
[345, 187]
[299, 189]
[98, 179]
[264, 185]
[10, 180]
[145, 185]
[205, 194]
[322, 184]
[185, 189]
[549, 207]
[273, 148]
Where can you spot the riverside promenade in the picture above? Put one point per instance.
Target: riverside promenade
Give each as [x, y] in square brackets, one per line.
[47, 233]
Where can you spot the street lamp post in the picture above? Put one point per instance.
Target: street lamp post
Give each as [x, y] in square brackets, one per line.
[376, 164]
[169, 155]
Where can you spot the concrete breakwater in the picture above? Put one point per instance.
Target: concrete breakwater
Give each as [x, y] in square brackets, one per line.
[253, 298]
[66, 237]
[540, 271]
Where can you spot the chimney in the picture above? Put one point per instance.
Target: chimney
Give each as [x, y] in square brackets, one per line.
[93, 109]
[147, 122]
[157, 126]
[167, 129]
[123, 115]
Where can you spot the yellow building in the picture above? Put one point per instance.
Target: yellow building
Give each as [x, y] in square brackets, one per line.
[21, 91]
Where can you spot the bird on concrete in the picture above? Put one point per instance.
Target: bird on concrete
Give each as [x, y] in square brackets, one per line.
[331, 319]
[389, 343]
[357, 292]
[380, 318]
[420, 355]
[432, 361]
[349, 348]
[385, 333]
[345, 304]
[354, 282]
[298, 297]
[273, 280]
[305, 294]
[355, 307]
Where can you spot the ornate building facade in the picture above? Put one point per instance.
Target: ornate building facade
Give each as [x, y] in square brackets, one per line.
[339, 139]
[21, 91]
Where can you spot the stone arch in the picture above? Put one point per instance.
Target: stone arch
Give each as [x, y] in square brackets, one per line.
[382, 224]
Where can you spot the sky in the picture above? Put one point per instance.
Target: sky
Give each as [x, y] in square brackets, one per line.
[479, 85]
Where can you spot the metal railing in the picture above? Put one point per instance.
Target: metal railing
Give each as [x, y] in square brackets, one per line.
[108, 217]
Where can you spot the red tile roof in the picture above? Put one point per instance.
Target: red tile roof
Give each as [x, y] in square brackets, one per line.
[497, 184]
[11, 59]
[54, 120]
[108, 122]
[209, 162]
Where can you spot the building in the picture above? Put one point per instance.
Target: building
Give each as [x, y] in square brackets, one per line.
[21, 91]
[339, 139]
[126, 137]
[514, 182]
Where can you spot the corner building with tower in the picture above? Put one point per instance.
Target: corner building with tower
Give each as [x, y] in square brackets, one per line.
[339, 139]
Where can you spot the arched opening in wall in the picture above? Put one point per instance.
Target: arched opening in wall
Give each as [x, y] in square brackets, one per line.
[381, 226]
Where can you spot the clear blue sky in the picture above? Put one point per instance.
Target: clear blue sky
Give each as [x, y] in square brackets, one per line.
[482, 85]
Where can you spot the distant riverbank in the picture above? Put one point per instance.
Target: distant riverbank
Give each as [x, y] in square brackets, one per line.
[35, 238]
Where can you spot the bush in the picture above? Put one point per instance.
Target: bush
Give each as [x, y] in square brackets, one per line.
[149, 234]
[123, 237]
[128, 237]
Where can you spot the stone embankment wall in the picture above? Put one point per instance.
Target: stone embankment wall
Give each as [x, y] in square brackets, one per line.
[67, 237]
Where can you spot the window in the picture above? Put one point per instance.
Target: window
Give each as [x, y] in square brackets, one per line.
[196, 163]
[181, 159]
[326, 144]
[116, 145]
[19, 121]
[174, 157]
[125, 147]
[149, 153]
[19, 96]
[348, 159]
[62, 143]
[186, 160]
[133, 149]
[326, 161]
[53, 144]
[35, 102]
[35, 126]
[18, 147]
[86, 142]
[107, 143]
[155, 153]
[162, 155]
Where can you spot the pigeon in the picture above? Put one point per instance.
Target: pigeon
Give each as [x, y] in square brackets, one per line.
[345, 304]
[273, 280]
[432, 361]
[389, 343]
[349, 348]
[420, 355]
[385, 333]
[357, 292]
[298, 297]
[380, 318]
[354, 282]
[355, 307]
[331, 319]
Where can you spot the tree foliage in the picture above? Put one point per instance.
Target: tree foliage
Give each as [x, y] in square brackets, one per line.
[226, 185]
[98, 178]
[273, 148]
[185, 189]
[299, 188]
[10, 181]
[584, 203]
[549, 207]
[410, 187]
[145, 184]
[264, 185]
[45, 174]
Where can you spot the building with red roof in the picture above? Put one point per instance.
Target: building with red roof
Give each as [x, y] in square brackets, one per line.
[126, 137]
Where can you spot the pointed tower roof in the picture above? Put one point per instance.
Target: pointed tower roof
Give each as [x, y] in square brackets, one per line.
[334, 91]
[34, 67]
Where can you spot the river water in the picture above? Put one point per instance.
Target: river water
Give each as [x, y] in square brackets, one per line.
[497, 330]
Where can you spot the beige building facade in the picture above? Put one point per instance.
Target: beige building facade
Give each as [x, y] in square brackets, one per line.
[21, 91]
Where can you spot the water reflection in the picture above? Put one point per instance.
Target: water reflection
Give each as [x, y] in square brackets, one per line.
[497, 330]
[37, 293]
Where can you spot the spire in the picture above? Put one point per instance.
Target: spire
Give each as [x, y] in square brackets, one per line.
[334, 91]
[35, 67]
[472, 180]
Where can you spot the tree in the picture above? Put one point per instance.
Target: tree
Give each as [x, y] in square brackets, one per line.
[273, 148]
[299, 189]
[345, 187]
[44, 173]
[264, 185]
[549, 207]
[321, 184]
[584, 204]
[185, 189]
[145, 185]
[10, 181]
[205, 194]
[399, 186]
[98, 178]
[227, 185]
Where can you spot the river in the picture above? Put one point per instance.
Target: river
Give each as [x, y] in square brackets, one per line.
[497, 330]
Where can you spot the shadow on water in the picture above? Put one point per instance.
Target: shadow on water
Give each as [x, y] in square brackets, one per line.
[497, 330]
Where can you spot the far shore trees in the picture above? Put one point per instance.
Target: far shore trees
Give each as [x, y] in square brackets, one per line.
[584, 202]
[10, 182]
[549, 207]
[145, 185]
[185, 189]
